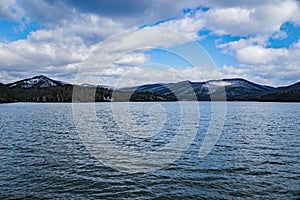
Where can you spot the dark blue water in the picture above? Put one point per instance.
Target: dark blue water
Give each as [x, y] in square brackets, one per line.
[256, 156]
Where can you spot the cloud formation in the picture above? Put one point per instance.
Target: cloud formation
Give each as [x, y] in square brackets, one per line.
[69, 31]
[262, 18]
[274, 66]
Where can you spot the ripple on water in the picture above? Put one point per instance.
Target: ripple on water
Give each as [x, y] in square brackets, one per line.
[256, 156]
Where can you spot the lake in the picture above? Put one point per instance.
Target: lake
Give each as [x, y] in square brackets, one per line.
[49, 151]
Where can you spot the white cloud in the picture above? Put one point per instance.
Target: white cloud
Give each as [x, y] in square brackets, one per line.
[88, 27]
[136, 13]
[57, 51]
[264, 64]
[279, 35]
[260, 19]
[188, 26]
[70, 34]
[35, 54]
[129, 12]
[132, 59]
[259, 55]
[155, 73]
[62, 51]
[124, 51]
[9, 9]
[229, 20]
[263, 18]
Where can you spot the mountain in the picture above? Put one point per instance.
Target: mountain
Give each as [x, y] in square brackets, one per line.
[44, 89]
[236, 89]
[289, 93]
[36, 82]
[292, 87]
[5, 94]
[96, 86]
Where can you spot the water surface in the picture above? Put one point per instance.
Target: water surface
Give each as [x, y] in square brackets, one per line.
[256, 156]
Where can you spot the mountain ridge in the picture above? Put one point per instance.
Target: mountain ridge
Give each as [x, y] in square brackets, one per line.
[43, 89]
[36, 81]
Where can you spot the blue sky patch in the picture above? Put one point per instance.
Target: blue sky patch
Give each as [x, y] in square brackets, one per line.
[291, 36]
[11, 30]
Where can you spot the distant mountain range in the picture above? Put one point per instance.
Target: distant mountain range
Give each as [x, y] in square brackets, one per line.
[44, 89]
[235, 89]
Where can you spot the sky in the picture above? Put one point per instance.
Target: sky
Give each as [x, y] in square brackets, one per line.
[125, 43]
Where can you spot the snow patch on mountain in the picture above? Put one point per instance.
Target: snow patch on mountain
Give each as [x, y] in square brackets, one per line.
[219, 83]
[37, 81]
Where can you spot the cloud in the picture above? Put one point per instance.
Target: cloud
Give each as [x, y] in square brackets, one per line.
[43, 11]
[187, 25]
[155, 73]
[239, 18]
[51, 53]
[129, 12]
[132, 59]
[279, 35]
[126, 50]
[261, 19]
[259, 55]
[71, 30]
[121, 59]
[58, 50]
[132, 12]
[9, 10]
[263, 64]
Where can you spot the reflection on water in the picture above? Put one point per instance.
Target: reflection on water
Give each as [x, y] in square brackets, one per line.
[256, 156]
